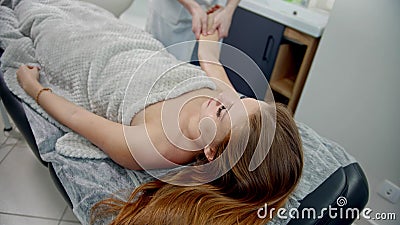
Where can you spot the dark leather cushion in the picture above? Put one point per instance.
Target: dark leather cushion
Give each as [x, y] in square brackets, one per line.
[347, 184]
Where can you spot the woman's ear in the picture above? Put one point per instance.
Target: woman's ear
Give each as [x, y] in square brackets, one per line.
[209, 152]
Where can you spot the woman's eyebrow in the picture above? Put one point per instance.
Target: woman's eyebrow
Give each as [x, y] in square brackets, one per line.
[227, 110]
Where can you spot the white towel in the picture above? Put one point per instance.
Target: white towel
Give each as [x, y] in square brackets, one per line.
[93, 59]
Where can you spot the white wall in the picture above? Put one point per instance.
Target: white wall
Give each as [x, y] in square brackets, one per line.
[352, 93]
[116, 7]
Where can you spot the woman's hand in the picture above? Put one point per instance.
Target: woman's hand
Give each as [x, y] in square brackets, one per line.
[209, 47]
[28, 79]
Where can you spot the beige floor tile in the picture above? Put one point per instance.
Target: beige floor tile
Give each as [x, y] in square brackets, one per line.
[26, 187]
[6, 219]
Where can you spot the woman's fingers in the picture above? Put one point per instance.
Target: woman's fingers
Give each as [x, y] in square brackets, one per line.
[27, 71]
[29, 67]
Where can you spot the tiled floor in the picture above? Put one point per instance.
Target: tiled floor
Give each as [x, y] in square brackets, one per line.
[27, 193]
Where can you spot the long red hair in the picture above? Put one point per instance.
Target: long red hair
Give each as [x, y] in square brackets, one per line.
[233, 198]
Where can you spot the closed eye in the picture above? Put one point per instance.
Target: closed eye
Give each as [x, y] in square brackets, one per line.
[222, 107]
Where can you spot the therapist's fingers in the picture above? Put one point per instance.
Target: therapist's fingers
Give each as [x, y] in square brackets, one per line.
[196, 28]
[213, 28]
[223, 32]
[222, 23]
[204, 24]
[199, 20]
[199, 23]
[214, 21]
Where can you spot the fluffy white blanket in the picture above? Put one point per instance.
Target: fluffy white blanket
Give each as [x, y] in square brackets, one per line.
[91, 58]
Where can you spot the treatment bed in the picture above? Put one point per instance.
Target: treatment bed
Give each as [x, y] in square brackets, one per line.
[348, 181]
[330, 175]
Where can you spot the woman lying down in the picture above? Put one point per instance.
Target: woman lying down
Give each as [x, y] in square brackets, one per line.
[146, 110]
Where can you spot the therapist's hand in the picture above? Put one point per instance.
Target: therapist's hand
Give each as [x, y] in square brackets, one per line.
[28, 79]
[199, 22]
[222, 21]
[199, 17]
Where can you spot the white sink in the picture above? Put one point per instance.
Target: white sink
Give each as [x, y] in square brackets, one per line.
[309, 21]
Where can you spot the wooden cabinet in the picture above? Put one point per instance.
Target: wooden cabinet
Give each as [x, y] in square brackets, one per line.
[284, 56]
[292, 65]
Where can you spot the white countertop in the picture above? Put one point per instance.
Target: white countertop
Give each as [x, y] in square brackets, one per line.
[310, 21]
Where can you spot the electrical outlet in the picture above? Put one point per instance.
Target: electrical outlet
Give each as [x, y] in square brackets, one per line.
[389, 191]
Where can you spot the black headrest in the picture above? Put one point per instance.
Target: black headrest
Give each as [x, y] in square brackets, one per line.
[337, 199]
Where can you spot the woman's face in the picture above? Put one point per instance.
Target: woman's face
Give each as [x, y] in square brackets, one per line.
[218, 116]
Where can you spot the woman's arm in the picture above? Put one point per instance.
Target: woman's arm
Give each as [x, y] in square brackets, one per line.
[209, 52]
[109, 136]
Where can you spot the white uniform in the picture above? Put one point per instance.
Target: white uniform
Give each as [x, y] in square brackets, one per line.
[170, 22]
